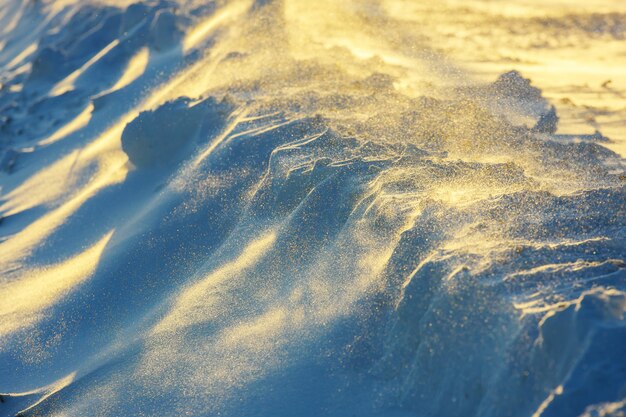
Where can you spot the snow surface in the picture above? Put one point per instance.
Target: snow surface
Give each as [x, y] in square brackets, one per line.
[312, 208]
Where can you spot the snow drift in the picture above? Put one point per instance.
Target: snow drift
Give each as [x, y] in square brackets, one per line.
[236, 208]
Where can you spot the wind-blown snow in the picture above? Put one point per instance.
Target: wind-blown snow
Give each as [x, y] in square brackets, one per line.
[300, 208]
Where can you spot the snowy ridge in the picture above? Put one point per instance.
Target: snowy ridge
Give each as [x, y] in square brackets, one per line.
[269, 208]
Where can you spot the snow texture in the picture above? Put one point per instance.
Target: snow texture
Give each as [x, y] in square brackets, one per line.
[277, 208]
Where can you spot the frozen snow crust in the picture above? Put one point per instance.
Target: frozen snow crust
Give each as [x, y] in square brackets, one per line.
[240, 230]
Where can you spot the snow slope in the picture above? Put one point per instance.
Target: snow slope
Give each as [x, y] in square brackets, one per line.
[305, 208]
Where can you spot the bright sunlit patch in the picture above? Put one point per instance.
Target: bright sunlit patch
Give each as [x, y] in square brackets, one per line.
[74, 125]
[67, 84]
[27, 296]
[135, 69]
[14, 15]
[46, 187]
[257, 331]
[29, 50]
[201, 31]
[458, 196]
[44, 392]
[193, 304]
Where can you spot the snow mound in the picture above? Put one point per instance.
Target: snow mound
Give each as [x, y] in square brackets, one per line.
[303, 229]
[156, 137]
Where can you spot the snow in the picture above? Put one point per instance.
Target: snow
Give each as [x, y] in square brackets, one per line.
[293, 208]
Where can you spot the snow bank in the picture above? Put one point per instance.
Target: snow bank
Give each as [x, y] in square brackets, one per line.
[318, 240]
